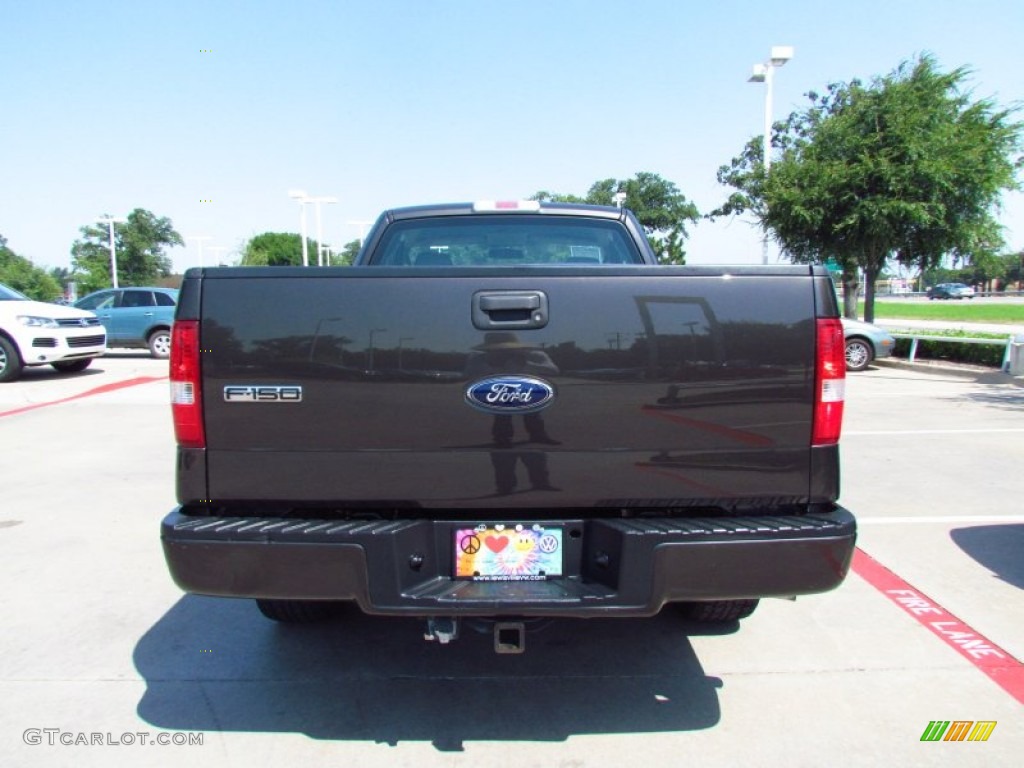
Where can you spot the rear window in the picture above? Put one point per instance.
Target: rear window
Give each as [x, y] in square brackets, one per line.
[504, 240]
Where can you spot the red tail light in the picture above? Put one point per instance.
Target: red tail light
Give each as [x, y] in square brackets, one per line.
[829, 382]
[186, 400]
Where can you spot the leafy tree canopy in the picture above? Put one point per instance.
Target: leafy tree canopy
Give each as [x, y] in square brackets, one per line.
[906, 167]
[660, 207]
[19, 273]
[985, 271]
[277, 249]
[349, 252]
[140, 242]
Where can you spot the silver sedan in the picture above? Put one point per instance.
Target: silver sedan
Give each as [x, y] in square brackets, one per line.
[864, 343]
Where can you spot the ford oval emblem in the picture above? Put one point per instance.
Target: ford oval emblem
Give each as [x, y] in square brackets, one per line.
[509, 395]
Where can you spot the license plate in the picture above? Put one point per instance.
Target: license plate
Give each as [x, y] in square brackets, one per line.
[527, 552]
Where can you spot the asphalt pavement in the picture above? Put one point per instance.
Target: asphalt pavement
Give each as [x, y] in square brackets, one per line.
[102, 657]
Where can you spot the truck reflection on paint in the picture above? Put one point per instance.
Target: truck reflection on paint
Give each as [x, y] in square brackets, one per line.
[501, 352]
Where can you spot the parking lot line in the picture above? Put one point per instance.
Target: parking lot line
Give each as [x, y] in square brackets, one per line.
[940, 519]
[920, 432]
[1000, 666]
[112, 387]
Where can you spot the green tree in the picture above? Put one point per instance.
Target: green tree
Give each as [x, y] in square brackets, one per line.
[658, 204]
[1014, 269]
[140, 242]
[557, 197]
[349, 252]
[61, 274]
[983, 270]
[907, 167]
[277, 249]
[19, 273]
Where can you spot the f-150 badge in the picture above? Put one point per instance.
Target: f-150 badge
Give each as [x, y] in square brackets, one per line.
[241, 393]
[510, 394]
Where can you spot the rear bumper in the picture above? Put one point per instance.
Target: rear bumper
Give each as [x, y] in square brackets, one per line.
[627, 567]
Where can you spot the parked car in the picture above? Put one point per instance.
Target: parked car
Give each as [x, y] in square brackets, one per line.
[950, 291]
[36, 333]
[864, 343]
[135, 317]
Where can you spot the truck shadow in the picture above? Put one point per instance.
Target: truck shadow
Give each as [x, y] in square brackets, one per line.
[1006, 399]
[217, 665]
[996, 547]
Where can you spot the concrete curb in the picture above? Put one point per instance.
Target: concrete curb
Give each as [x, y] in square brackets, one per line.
[964, 370]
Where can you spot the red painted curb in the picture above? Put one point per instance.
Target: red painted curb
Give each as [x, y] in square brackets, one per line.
[88, 393]
[1005, 670]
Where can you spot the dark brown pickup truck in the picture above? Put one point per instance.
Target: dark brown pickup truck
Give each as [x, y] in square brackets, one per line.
[508, 411]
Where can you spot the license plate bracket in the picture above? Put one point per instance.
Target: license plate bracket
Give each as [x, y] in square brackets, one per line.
[508, 552]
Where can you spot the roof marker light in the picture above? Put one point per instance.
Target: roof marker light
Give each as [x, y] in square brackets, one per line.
[506, 205]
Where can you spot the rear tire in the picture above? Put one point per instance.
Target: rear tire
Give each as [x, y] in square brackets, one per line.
[718, 611]
[160, 344]
[299, 611]
[72, 366]
[10, 360]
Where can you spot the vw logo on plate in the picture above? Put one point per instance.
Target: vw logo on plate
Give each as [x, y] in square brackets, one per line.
[510, 394]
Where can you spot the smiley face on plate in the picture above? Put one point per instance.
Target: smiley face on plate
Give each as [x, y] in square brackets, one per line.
[523, 541]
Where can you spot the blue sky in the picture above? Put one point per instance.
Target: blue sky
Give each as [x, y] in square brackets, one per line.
[110, 106]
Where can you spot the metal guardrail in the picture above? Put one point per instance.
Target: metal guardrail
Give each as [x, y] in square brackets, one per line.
[1013, 354]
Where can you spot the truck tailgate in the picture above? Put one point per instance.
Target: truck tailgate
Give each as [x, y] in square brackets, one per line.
[673, 387]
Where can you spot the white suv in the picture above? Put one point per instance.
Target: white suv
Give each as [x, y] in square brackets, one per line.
[36, 333]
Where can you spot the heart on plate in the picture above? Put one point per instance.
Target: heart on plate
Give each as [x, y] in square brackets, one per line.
[496, 543]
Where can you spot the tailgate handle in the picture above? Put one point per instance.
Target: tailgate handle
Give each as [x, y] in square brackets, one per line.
[510, 309]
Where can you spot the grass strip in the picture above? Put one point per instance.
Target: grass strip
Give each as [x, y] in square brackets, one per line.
[973, 311]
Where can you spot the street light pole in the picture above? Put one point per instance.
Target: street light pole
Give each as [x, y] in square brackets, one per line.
[373, 331]
[765, 73]
[769, 80]
[361, 225]
[110, 221]
[217, 250]
[301, 196]
[199, 240]
[319, 227]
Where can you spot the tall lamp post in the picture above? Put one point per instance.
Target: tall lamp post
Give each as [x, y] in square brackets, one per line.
[199, 240]
[374, 332]
[301, 196]
[765, 73]
[361, 225]
[317, 201]
[217, 251]
[111, 221]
